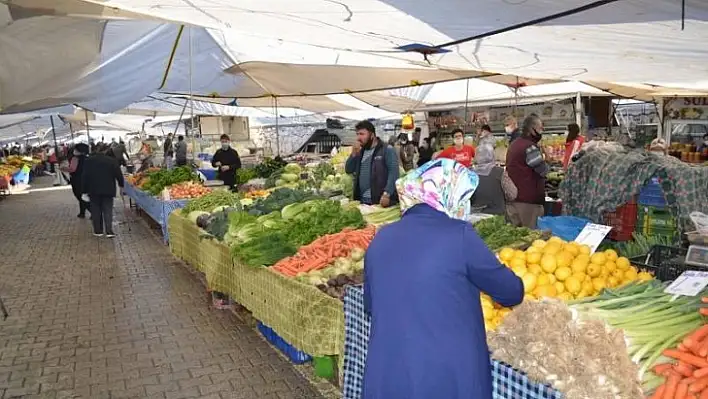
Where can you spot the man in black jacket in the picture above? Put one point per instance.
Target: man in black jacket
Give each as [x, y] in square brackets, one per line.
[227, 162]
[101, 173]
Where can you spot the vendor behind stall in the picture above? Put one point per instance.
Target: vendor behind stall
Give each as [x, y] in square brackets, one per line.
[427, 330]
[227, 161]
[459, 151]
[573, 142]
[489, 196]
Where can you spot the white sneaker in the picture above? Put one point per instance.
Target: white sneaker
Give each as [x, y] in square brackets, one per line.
[110, 235]
[97, 235]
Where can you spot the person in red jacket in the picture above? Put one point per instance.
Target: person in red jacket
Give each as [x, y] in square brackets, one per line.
[527, 169]
[572, 143]
[460, 151]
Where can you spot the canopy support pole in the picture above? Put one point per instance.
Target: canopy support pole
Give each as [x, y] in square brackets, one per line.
[54, 134]
[660, 131]
[277, 129]
[88, 129]
[578, 109]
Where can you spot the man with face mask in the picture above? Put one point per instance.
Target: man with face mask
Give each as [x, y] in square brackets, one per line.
[227, 161]
[527, 170]
[511, 127]
[374, 165]
[459, 151]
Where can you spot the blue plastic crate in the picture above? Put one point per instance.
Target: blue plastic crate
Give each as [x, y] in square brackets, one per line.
[295, 356]
[652, 194]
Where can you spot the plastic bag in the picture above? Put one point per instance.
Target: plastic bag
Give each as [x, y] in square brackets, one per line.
[565, 227]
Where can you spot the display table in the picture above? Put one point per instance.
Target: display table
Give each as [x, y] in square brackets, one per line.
[507, 383]
[210, 174]
[158, 210]
[302, 315]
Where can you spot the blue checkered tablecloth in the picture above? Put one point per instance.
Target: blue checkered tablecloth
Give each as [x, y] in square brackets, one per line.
[157, 209]
[507, 383]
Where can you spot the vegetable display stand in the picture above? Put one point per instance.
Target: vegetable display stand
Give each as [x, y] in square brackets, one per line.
[623, 221]
[666, 263]
[296, 356]
[157, 209]
[507, 382]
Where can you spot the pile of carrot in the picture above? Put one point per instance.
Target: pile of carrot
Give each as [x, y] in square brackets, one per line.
[687, 376]
[324, 250]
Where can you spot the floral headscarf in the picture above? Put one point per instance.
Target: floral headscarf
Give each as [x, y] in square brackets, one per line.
[444, 184]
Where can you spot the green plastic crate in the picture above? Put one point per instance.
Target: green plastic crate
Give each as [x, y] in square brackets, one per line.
[655, 221]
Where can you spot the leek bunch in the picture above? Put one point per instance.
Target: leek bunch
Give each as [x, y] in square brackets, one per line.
[650, 319]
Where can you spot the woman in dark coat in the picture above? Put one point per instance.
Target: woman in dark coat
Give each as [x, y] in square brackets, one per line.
[76, 171]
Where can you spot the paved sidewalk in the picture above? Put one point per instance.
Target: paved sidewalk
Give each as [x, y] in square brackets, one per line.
[100, 318]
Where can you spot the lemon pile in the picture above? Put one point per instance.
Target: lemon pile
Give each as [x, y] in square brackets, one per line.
[563, 270]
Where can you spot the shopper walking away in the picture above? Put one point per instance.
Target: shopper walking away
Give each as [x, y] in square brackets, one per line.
[489, 196]
[459, 151]
[427, 335]
[406, 152]
[511, 127]
[100, 175]
[374, 166]
[168, 151]
[181, 151]
[573, 142]
[425, 152]
[227, 161]
[76, 173]
[527, 170]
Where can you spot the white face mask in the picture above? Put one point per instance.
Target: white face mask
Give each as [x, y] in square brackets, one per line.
[508, 129]
[459, 140]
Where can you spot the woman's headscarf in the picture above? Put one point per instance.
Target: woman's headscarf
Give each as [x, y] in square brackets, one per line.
[443, 184]
[484, 158]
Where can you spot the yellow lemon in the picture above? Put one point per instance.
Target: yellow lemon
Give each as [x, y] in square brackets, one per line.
[556, 239]
[535, 269]
[533, 258]
[580, 276]
[618, 273]
[598, 258]
[532, 250]
[582, 294]
[519, 254]
[630, 274]
[565, 296]
[613, 281]
[604, 272]
[529, 297]
[598, 284]
[538, 244]
[562, 273]
[517, 262]
[552, 278]
[548, 263]
[551, 248]
[529, 281]
[564, 259]
[611, 254]
[622, 263]
[593, 270]
[579, 264]
[588, 286]
[503, 312]
[644, 276]
[611, 266]
[545, 291]
[543, 279]
[573, 285]
[519, 270]
[584, 249]
[587, 278]
[560, 287]
[572, 248]
[506, 254]
[488, 311]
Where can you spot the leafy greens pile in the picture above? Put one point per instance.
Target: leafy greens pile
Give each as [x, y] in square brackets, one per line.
[278, 199]
[214, 199]
[496, 233]
[158, 180]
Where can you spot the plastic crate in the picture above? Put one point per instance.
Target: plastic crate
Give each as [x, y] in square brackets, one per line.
[296, 356]
[652, 194]
[656, 221]
[623, 221]
[667, 263]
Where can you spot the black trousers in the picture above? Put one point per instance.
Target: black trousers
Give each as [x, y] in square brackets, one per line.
[83, 205]
[102, 214]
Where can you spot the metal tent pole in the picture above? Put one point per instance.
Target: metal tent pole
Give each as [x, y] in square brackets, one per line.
[277, 129]
[54, 134]
[88, 129]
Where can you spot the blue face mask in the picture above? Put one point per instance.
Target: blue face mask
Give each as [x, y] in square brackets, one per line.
[225, 146]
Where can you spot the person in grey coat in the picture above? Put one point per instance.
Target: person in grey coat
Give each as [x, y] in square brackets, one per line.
[180, 151]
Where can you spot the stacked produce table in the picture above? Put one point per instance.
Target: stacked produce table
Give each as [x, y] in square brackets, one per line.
[157, 209]
[506, 381]
[301, 314]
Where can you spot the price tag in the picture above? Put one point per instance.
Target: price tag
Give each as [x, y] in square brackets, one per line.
[592, 235]
[689, 283]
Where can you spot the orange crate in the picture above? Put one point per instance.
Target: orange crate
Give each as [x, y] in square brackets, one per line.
[623, 221]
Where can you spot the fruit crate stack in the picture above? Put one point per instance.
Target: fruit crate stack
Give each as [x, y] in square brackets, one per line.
[654, 217]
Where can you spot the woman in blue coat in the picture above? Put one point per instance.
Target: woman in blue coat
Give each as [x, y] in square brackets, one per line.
[422, 285]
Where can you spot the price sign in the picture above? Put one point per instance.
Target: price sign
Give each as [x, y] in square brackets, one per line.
[689, 283]
[592, 235]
